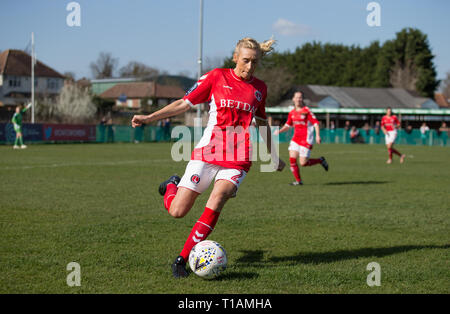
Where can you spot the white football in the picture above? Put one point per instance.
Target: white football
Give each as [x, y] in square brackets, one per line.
[208, 259]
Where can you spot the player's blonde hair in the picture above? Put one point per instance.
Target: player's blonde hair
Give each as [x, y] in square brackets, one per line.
[263, 48]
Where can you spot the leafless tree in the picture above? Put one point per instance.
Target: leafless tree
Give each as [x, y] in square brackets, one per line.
[278, 80]
[211, 63]
[138, 70]
[446, 87]
[403, 76]
[69, 76]
[185, 73]
[105, 66]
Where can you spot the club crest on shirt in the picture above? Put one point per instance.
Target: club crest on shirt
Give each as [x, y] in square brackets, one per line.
[258, 95]
[195, 178]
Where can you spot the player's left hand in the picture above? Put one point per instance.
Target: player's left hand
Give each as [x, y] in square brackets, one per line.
[318, 140]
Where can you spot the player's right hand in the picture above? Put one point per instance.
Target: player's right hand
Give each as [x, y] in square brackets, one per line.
[137, 120]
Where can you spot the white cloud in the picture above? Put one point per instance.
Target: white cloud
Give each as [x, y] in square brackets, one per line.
[288, 28]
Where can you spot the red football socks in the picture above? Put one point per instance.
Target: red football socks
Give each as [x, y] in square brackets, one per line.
[202, 228]
[294, 168]
[312, 162]
[171, 191]
[395, 151]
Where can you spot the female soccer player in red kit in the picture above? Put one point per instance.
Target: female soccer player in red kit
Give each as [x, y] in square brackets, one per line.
[304, 123]
[235, 97]
[389, 125]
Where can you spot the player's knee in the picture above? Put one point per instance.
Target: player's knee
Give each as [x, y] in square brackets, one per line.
[178, 211]
[220, 198]
[303, 163]
[225, 195]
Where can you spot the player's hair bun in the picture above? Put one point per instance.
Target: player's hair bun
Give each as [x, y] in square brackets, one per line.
[264, 47]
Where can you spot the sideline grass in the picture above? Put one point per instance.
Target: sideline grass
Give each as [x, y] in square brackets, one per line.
[98, 205]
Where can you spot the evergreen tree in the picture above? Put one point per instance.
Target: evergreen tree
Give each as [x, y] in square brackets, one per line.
[407, 62]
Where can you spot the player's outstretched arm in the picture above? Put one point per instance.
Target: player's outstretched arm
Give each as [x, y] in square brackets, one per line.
[282, 130]
[264, 130]
[317, 128]
[173, 109]
[27, 107]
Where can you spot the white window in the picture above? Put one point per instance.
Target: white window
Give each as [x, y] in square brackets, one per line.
[52, 83]
[14, 81]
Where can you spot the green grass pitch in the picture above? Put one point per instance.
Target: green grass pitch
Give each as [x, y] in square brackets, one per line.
[98, 205]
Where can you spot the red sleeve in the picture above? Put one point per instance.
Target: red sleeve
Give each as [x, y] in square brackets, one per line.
[312, 117]
[201, 91]
[289, 119]
[383, 121]
[397, 122]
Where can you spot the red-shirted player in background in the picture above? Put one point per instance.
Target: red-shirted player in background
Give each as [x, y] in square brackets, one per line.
[389, 125]
[235, 97]
[304, 123]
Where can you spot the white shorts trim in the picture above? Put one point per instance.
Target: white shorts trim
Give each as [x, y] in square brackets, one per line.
[199, 175]
[390, 137]
[302, 150]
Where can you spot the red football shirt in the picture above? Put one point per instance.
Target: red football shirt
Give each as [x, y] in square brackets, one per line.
[390, 123]
[303, 122]
[233, 104]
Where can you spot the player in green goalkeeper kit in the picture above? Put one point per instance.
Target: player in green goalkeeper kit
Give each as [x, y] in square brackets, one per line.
[17, 121]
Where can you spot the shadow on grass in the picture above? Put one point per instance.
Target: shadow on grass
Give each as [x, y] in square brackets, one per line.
[246, 259]
[256, 257]
[251, 257]
[356, 182]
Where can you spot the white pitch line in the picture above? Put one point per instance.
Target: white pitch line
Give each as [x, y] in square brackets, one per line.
[354, 152]
[107, 163]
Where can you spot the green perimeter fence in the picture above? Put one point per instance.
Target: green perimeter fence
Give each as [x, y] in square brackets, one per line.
[52, 133]
[120, 133]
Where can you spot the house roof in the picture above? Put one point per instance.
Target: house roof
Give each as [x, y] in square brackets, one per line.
[360, 97]
[115, 80]
[17, 62]
[143, 90]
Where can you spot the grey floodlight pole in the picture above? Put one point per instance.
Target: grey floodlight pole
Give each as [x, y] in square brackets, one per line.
[200, 55]
[32, 77]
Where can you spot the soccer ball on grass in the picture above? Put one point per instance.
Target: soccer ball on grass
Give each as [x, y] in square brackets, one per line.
[208, 259]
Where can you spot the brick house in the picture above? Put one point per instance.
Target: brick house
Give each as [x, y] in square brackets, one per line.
[134, 95]
[15, 78]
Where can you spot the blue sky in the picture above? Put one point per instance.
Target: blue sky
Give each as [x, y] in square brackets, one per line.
[165, 33]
